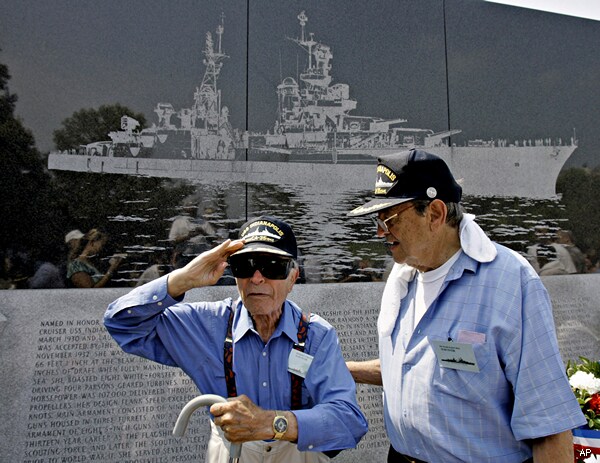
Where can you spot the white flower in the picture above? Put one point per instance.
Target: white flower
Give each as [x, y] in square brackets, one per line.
[587, 381]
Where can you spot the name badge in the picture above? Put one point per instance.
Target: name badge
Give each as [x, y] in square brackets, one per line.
[299, 363]
[455, 355]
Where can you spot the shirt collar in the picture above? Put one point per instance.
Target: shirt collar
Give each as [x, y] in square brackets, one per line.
[242, 322]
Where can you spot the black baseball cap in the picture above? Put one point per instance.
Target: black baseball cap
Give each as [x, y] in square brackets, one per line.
[268, 235]
[410, 175]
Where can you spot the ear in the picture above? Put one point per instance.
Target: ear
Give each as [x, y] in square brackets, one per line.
[437, 214]
[294, 274]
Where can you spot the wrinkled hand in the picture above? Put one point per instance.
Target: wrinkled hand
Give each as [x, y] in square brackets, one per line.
[204, 270]
[242, 420]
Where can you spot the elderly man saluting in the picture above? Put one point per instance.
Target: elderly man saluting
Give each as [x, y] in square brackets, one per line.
[468, 355]
[291, 394]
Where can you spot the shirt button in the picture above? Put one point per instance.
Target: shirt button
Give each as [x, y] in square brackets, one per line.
[159, 304]
[129, 311]
[264, 354]
[155, 297]
[310, 447]
[264, 384]
[268, 448]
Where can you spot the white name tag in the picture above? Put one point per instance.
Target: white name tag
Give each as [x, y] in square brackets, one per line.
[299, 363]
[456, 355]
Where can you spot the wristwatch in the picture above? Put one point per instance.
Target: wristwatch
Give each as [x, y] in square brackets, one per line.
[280, 425]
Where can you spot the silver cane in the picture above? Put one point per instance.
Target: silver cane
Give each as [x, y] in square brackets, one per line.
[205, 400]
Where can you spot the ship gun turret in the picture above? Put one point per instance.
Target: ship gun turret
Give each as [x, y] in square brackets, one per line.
[437, 139]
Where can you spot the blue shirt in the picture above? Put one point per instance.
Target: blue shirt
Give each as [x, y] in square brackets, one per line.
[521, 392]
[150, 323]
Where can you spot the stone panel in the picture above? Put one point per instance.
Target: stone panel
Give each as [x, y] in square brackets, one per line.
[70, 395]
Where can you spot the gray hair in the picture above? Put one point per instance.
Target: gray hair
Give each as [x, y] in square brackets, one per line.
[455, 211]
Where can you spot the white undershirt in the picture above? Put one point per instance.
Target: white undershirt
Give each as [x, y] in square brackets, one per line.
[428, 287]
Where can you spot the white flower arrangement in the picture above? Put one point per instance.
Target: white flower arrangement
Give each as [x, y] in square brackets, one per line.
[585, 381]
[584, 378]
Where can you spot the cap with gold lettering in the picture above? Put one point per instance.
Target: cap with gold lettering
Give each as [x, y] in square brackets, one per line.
[269, 235]
[410, 175]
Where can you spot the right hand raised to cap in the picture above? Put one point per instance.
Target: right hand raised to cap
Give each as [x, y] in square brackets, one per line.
[204, 270]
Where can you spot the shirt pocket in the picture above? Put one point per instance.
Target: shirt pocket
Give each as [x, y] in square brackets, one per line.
[465, 385]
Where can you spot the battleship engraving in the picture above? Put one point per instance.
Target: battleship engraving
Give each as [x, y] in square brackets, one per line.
[315, 124]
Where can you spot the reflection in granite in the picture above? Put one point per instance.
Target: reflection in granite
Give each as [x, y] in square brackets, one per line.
[334, 248]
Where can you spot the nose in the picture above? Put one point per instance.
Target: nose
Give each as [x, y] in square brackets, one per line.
[258, 277]
[381, 232]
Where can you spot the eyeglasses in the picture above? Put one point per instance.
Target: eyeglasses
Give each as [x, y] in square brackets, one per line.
[383, 223]
[273, 268]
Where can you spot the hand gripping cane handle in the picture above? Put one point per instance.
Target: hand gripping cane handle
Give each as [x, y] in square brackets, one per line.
[205, 400]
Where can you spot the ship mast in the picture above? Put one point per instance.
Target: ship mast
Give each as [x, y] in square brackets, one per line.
[316, 76]
[207, 98]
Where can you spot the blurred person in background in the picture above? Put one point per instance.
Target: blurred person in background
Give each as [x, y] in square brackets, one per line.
[82, 271]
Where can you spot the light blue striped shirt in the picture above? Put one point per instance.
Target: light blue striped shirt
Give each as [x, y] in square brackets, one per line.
[521, 392]
[149, 323]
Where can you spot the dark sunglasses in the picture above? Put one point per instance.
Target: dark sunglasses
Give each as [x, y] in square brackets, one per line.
[273, 268]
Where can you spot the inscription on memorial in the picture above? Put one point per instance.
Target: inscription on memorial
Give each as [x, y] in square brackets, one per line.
[69, 394]
[91, 402]
[357, 331]
[370, 402]
[576, 318]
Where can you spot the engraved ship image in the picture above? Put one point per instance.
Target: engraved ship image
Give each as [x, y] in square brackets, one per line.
[315, 124]
[203, 131]
[459, 360]
[315, 138]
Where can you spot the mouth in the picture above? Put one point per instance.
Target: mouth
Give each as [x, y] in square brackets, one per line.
[257, 295]
[391, 244]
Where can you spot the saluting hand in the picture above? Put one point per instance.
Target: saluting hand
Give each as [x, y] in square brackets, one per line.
[204, 270]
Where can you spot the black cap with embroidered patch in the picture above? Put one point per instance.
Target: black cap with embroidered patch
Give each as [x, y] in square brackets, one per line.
[410, 175]
[269, 235]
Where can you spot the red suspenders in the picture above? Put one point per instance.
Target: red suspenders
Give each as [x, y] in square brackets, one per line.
[297, 380]
[228, 359]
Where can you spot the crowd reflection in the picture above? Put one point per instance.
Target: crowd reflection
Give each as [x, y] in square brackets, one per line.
[93, 259]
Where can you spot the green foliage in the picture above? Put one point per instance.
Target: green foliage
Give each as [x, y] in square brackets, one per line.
[585, 365]
[91, 125]
[7, 101]
[26, 206]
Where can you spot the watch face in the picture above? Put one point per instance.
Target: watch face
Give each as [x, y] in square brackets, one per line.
[280, 424]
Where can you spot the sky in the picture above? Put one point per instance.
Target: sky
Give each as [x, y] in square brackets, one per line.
[580, 8]
[513, 73]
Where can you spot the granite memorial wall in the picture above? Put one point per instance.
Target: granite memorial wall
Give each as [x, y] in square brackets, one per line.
[69, 394]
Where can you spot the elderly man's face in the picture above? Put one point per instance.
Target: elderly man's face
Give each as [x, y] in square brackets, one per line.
[406, 234]
[263, 296]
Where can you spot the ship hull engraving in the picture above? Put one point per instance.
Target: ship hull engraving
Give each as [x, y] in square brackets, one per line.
[316, 135]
